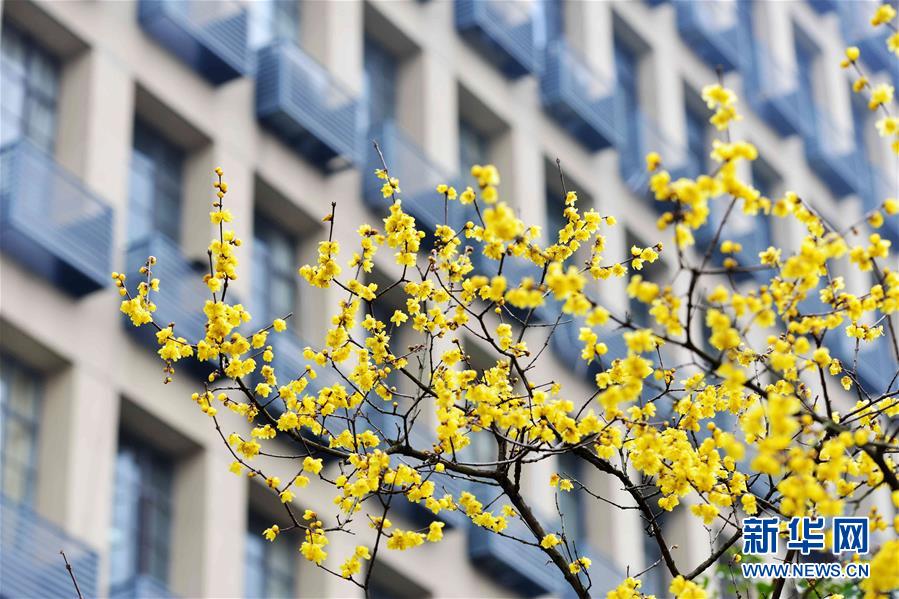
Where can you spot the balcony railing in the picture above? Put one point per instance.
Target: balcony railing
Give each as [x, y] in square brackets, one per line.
[502, 31]
[514, 565]
[419, 177]
[830, 151]
[641, 136]
[712, 30]
[855, 20]
[50, 222]
[301, 103]
[211, 37]
[773, 91]
[582, 101]
[141, 587]
[182, 293]
[30, 563]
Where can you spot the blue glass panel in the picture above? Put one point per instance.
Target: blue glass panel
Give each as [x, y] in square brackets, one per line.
[140, 537]
[156, 185]
[30, 82]
[20, 407]
[274, 276]
[380, 82]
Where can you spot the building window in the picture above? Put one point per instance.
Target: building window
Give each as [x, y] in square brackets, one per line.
[626, 66]
[697, 139]
[142, 515]
[571, 503]
[156, 179]
[274, 270]
[380, 79]
[20, 407]
[555, 217]
[806, 54]
[473, 147]
[270, 567]
[30, 85]
[273, 20]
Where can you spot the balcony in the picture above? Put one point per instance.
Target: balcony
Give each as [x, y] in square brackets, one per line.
[182, 293]
[522, 568]
[30, 563]
[299, 101]
[141, 587]
[51, 223]
[642, 136]
[502, 32]
[773, 91]
[578, 98]
[210, 37]
[831, 152]
[855, 21]
[419, 177]
[712, 31]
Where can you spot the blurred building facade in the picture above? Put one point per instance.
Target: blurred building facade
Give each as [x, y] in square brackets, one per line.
[114, 115]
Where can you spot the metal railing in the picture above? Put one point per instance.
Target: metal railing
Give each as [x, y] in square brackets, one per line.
[182, 293]
[855, 22]
[522, 567]
[211, 37]
[580, 99]
[51, 222]
[502, 31]
[30, 563]
[773, 90]
[300, 102]
[419, 177]
[712, 30]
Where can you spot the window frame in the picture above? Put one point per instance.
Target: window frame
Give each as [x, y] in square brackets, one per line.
[10, 370]
[31, 90]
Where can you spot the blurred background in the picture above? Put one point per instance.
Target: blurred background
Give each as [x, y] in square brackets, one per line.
[114, 115]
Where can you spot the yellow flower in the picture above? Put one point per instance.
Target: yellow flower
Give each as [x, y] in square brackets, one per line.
[549, 541]
[653, 161]
[852, 53]
[682, 588]
[435, 532]
[880, 95]
[883, 14]
[888, 126]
